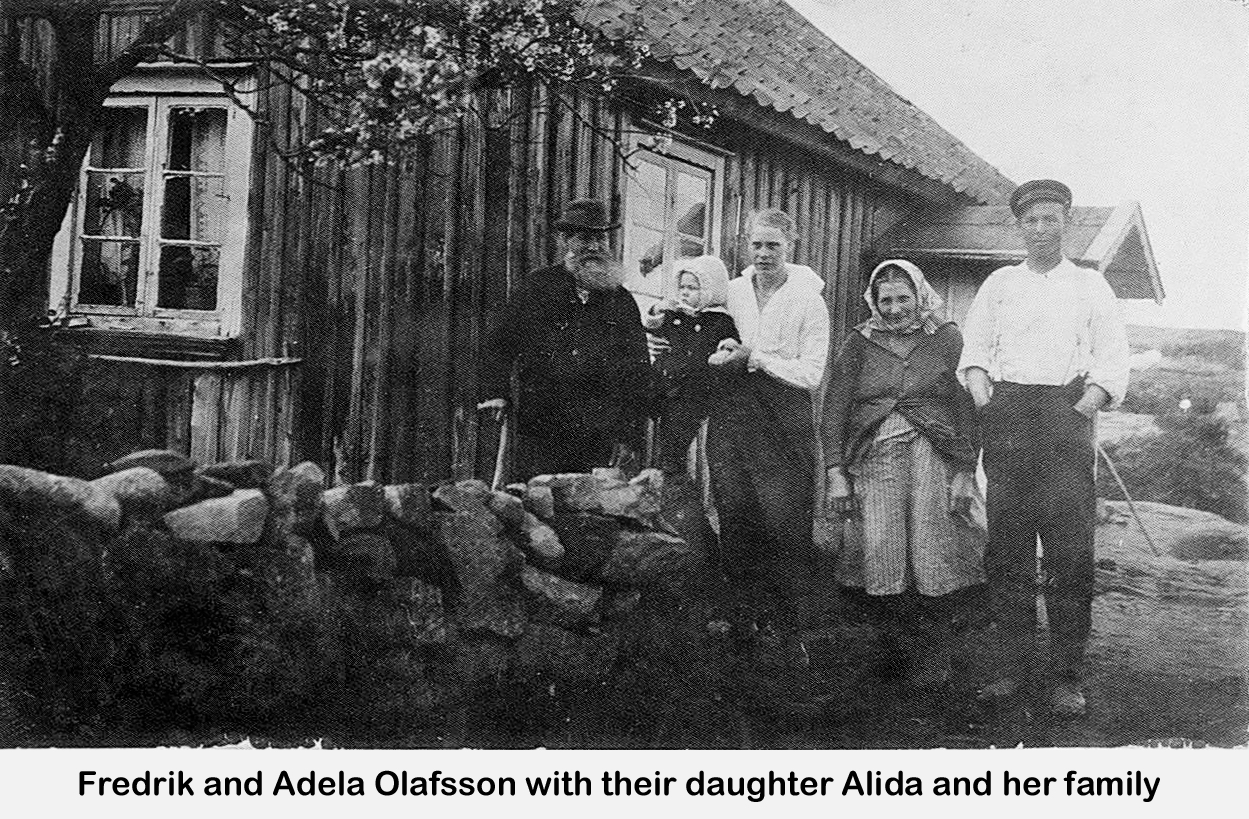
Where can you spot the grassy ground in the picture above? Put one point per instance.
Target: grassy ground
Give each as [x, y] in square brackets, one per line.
[1168, 663]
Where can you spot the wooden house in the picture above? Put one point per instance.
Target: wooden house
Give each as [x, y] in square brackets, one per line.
[235, 307]
[959, 247]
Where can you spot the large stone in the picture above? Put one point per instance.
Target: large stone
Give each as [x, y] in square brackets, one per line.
[296, 497]
[484, 566]
[239, 519]
[203, 487]
[540, 500]
[552, 653]
[408, 503]
[284, 579]
[418, 553]
[366, 555]
[249, 474]
[353, 507]
[172, 466]
[605, 492]
[540, 541]
[608, 473]
[420, 604]
[588, 541]
[33, 491]
[476, 487]
[646, 558]
[466, 499]
[572, 491]
[622, 603]
[509, 509]
[639, 499]
[558, 600]
[141, 492]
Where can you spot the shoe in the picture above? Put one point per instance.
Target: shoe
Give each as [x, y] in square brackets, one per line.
[1001, 689]
[1067, 700]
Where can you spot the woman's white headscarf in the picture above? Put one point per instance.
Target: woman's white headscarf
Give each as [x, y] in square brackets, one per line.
[713, 279]
[930, 312]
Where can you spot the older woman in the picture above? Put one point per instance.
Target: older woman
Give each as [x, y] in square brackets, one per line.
[761, 440]
[901, 444]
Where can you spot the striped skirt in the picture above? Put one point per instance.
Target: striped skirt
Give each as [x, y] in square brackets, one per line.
[907, 538]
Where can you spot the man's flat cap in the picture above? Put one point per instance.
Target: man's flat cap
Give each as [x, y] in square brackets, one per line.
[1039, 190]
[585, 214]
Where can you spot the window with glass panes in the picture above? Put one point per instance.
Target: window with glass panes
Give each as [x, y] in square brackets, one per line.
[670, 213]
[160, 217]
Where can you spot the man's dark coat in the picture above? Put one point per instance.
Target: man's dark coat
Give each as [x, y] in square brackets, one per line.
[583, 369]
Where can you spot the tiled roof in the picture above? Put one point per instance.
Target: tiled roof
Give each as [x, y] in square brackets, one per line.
[768, 51]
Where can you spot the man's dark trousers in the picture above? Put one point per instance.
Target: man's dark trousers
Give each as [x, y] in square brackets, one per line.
[1038, 456]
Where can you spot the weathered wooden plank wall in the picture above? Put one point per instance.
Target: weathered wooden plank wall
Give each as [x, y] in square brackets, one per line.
[839, 214]
[430, 246]
[381, 281]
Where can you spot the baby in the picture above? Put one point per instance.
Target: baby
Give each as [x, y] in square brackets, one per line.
[694, 323]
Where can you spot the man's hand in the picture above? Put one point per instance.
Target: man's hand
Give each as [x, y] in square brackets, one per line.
[1094, 398]
[657, 345]
[962, 493]
[979, 385]
[494, 406]
[840, 496]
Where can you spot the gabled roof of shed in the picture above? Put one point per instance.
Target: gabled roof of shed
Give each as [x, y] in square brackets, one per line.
[768, 51]
[1112, 240]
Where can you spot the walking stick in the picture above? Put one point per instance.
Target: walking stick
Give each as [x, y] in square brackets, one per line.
[1131, 506]
[500, 458]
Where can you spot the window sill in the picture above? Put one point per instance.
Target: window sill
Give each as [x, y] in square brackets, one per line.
[108, 341]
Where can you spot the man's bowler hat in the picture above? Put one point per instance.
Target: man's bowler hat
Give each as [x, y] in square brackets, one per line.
[1039, 190]
[585, 214]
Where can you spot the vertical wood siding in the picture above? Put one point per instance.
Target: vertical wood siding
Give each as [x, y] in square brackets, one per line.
[381, 281]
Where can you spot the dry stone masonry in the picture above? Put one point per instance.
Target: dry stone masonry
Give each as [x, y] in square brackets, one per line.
[409, 599]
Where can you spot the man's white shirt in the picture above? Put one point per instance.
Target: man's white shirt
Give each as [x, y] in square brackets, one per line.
[789, 337]
[1047, 328]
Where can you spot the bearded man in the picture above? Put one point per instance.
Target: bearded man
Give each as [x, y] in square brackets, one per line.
[575, 338]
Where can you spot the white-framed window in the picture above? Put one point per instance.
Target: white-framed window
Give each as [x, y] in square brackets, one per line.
[154, 238]
[673, 196]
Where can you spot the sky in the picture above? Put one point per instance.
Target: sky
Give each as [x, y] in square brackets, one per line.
[1144, 100]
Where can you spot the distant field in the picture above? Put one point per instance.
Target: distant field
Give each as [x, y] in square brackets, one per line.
[1205, 366]
[1226, 347]
[1196, 458]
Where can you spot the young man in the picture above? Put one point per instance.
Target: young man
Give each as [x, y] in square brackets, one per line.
[576, 339]
[761, 442]
[1044, 350]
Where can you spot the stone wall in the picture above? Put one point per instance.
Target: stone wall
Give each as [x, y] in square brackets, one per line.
[170, 594]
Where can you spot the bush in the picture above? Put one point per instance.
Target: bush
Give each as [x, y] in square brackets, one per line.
[1191, 464]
